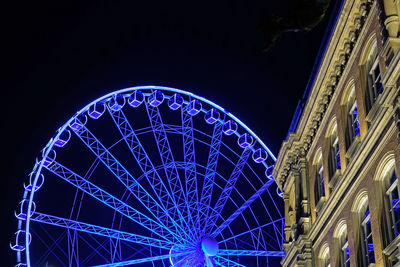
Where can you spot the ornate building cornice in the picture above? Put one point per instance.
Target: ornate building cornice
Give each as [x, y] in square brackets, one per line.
[343, 41]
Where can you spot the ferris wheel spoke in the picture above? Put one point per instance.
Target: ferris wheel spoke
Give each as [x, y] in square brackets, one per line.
[252, 230]
[50, 249]
[94, 247]
[179, 263]
[98, 230]
[115, 251]
[222, 261]
[210, 174]
[190, 165]
[215, 213]
[144, 162]
[242, 208]
[111, 201]
[73, 253]
[254, 253]
[167, 158]
[128, 180]
[94, 253]
[143, 260]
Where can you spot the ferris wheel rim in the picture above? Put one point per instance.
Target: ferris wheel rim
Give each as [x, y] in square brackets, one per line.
[171, 89]
[39, 165]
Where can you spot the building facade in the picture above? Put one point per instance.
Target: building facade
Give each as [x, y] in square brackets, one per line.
[339, 170]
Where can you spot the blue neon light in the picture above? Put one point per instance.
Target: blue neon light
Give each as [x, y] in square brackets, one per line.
[194, 214]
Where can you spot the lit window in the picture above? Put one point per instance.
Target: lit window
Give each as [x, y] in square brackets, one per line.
[345, 253]
[319, 188]
[353, 114]
[324, 258]
[392, 203]
[366, 248]
[374, 79]
[336, 145]
[334, 155]
[353, 124]
[342, 244]
[327, 262]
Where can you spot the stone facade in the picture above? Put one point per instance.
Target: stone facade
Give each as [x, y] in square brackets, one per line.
[333, 169]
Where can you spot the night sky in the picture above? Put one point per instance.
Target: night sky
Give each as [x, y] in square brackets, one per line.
[57, 58]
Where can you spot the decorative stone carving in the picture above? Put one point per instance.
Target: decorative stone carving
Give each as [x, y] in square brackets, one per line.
[335, 76]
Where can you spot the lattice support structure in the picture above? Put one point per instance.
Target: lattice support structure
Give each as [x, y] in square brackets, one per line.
[210, 174]
[111, 201]
[228, 252]
[165, 152]
[167, 190]
[227, 189]
[164, 196]
[99, 230]
[190, 166]
[221, 261]
[241, 209]
[127, 179]
[137, 261]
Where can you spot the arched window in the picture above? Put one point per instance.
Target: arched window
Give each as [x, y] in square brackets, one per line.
[391, 200]
[387, 190]
[373, 78]
[353, 124]
[319, 185]
[324, 256]
[366, 245]
[342, 243]
[334, 153]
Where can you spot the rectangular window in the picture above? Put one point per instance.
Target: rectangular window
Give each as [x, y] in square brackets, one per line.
[354, 122]
[321, 182]
[334, 156]
[338, 164]
[367, 245]
[328, 262]
[319, 188]
[345, 254]
[375, 87]
[394, 205]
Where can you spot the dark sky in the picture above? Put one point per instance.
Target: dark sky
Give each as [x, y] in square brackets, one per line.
[58, 57]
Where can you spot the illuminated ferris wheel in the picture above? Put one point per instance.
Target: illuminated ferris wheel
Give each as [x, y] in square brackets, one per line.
[151, 176]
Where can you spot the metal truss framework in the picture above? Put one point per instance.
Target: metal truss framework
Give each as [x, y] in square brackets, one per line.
[159, 217]
[167, 158]
[156, 208]
[164, 196]
[99, 230]
[208, 185]
[109, 200]
[228, 189]
[190, 167]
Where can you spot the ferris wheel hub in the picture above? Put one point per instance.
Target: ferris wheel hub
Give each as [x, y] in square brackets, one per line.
[209, 246]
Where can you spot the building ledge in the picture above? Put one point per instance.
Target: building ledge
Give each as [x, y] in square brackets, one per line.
[392, 247]
[374, 109]
[320, 204]
[353, 147]
[335, 178]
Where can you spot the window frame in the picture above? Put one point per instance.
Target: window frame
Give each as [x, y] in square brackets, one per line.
[390, 187]
[374, 87]
[353, 123]
[319, 186]
[325, 257]
[364, 238]
[345, 252]
[334, 156]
